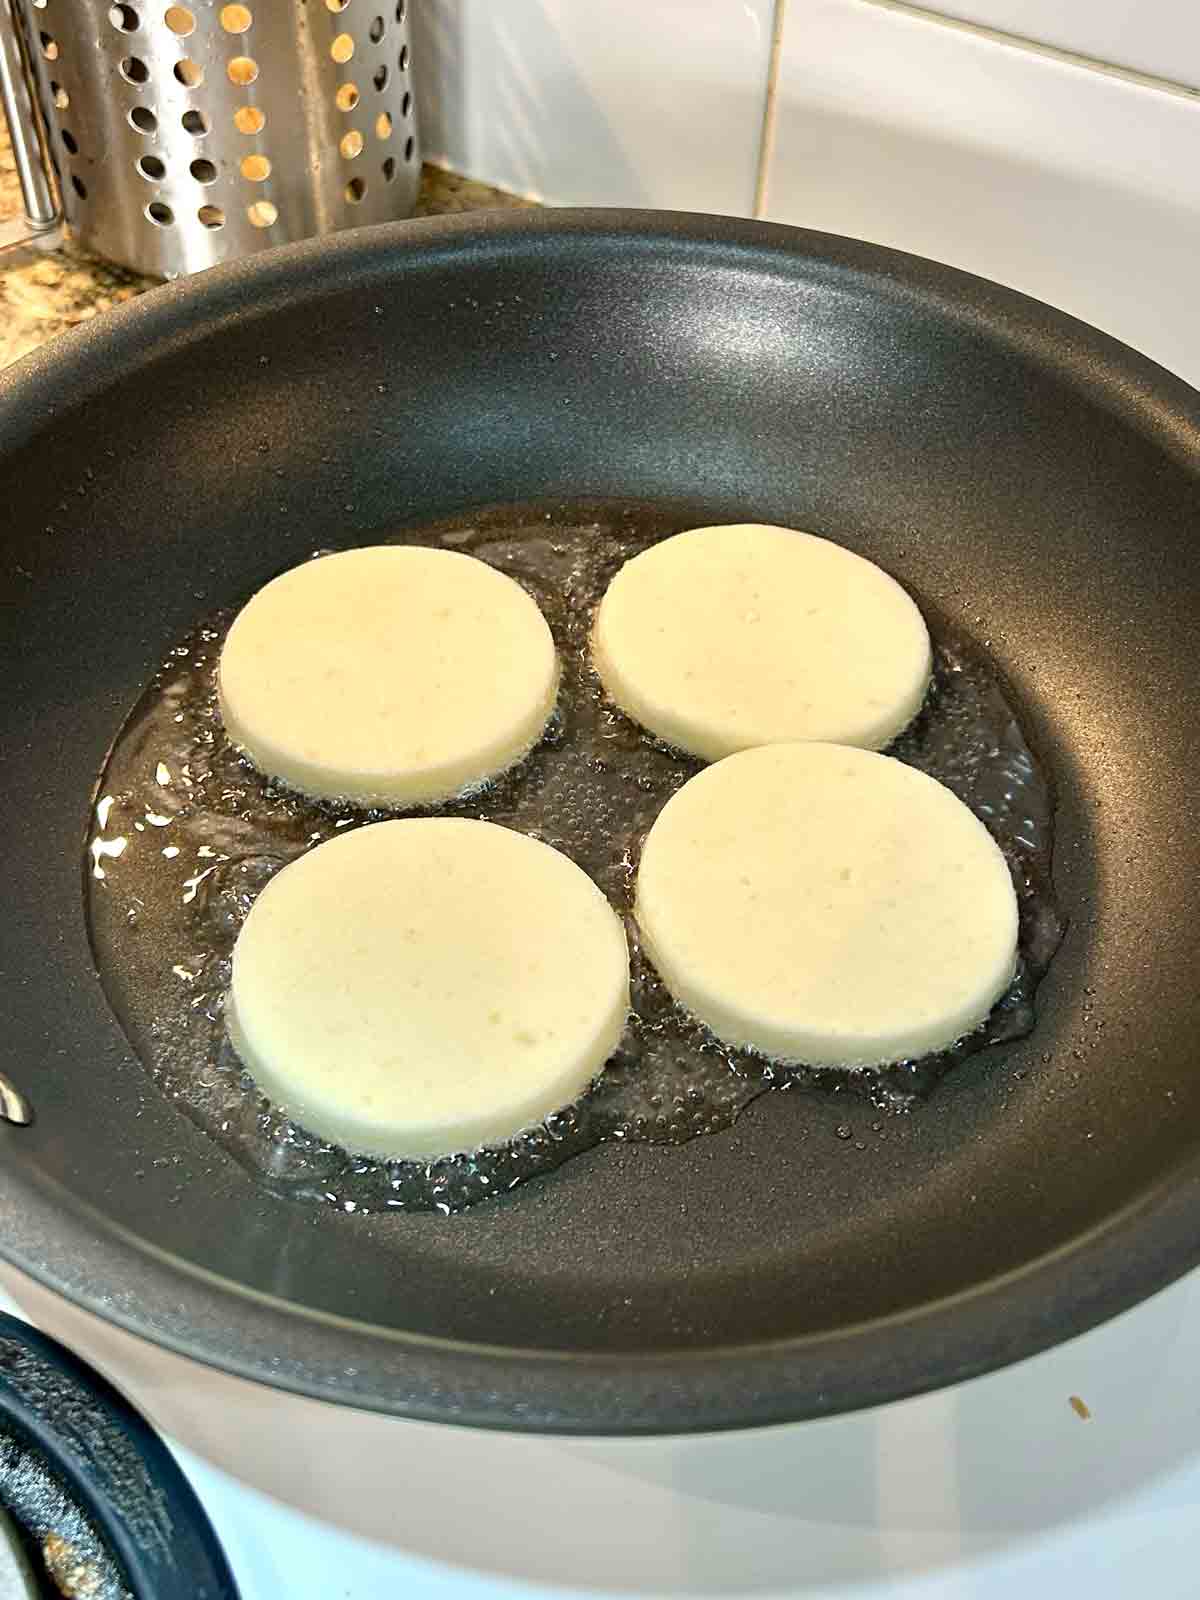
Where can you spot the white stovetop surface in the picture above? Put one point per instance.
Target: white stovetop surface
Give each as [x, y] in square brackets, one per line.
[993, 1489]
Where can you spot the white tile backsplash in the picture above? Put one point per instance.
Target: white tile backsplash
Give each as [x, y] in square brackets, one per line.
[623, 103]
[1161, 37]
[1078, 187]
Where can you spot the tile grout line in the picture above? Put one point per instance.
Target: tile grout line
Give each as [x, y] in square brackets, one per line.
[1053, 52]
[766, 138]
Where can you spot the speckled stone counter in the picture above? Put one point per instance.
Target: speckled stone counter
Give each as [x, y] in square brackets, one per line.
[43, 293]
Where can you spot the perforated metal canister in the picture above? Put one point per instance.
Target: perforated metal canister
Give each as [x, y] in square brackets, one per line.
[187, 134]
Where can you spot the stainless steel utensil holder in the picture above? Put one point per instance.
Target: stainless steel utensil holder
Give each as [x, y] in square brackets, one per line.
[185, 134]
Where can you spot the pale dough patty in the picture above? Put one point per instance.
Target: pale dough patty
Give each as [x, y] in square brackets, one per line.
[391, 675]
[428, 985]
[827, 905]
[724, 638]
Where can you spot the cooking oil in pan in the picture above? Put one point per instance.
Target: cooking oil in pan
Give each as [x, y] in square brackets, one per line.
[187, 834]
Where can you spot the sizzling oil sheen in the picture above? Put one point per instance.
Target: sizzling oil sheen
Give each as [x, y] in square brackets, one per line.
[204, 832]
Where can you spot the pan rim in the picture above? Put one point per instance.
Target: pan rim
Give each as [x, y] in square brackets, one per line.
[74, 1251]
[32, 388]
[1046, 1302]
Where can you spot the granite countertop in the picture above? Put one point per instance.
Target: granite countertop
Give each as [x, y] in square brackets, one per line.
[43, 293]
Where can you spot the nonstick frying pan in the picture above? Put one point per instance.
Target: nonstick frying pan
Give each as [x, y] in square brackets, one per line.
[1030, 480]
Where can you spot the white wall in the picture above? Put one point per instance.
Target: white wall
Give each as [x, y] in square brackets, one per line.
[1051, 144]
[598, 102]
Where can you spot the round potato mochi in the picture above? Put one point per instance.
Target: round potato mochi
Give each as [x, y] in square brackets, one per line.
[391, 675]
[827, 906]
[721, 639]
[427, 985]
